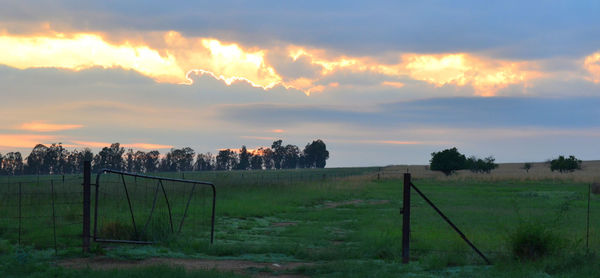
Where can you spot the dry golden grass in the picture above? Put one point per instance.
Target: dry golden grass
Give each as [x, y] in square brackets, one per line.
[590, 172]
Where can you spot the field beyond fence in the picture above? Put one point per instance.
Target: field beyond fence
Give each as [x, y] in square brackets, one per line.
[321, 216]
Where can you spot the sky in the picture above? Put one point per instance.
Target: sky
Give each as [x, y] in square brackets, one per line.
[380, 82]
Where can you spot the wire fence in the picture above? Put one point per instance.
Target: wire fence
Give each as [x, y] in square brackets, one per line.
[41, 211]
[145, 209]
[496, 216]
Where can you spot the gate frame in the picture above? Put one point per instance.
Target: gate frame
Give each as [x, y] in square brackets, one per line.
[87, 206]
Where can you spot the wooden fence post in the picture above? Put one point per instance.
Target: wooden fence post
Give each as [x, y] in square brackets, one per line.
[406, 220]
[87, 175]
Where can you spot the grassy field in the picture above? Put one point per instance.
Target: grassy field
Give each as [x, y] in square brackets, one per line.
[331, 223]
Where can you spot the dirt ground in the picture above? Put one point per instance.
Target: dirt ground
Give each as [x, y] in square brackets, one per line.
[255, 269]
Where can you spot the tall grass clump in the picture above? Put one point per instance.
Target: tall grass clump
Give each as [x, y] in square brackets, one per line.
[531, 241]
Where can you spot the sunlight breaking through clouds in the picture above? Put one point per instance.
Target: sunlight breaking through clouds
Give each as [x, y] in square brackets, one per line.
[174, 58]
[592, 65]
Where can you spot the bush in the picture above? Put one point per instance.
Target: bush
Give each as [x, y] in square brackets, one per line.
[117, 230]
[532, 241]
[595, 188]
[447, 161]
[527, 166]
[478, 165]
[563, 164]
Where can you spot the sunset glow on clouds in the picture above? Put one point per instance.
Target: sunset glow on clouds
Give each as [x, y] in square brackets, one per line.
[181, 56]
[592, 65]
[47, 127]
[143, 146]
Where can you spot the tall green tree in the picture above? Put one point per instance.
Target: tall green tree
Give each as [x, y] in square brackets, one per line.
[204, 162]
[315, 154]
[244, 162]
[35, 160]
[278, 153]
[256, 162]
[226, 160]
[151, 161]
[290, 157]
[110, 157]
[267, 158]
[12, 163]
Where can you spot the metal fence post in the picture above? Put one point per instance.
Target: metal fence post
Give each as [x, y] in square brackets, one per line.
[87, 175]
[406, 220]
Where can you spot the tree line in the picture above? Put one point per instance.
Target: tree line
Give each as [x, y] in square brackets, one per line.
[55, 159]
[451, 160]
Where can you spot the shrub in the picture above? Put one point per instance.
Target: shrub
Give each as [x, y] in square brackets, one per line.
[563, 164]
[532, 241]
[478, 165]
[117, 230]
[527, 166]
[596, 188]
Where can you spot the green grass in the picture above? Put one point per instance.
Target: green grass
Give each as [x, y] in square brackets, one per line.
[348, 225]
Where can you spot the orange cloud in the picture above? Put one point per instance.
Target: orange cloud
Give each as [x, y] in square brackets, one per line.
[393, 84]
[278, 130]
[45, 127]
[24, 140]
[171, 57]
[144, 146]
[592, 65]
[485, 75]
[173, 63]
[147, 146]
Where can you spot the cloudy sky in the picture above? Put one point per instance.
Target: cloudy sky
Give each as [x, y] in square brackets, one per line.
[381, 82]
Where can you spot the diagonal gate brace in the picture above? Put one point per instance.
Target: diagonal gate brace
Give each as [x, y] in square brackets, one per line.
[406, 224]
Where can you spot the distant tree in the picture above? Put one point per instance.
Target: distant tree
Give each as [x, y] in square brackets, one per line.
[12, 163]
[244, 162]
[256, 162]
[110, 157]
[151, 161]
[129, 158]
[75, 160]
[204, 162]
[290, 157]
[167, 163]
[267, 158]
[447, 161]
[35, 160]
[563, 164]
[278, 153]
[184, 159]
[526, 166]
[178, 160]
[138, 162]
[478, 165]
[226, 160]
[302, 160]
[315, 154]
[56, 158]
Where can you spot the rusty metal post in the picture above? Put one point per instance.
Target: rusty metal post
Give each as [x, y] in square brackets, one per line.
[406, 220]
[87, 175]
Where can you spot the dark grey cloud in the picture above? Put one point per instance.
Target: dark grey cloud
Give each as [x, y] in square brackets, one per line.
[439, 112]
[510, 29]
